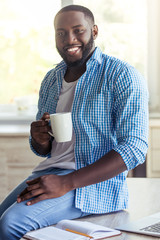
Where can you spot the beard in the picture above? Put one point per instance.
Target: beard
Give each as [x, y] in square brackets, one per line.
[85, 54]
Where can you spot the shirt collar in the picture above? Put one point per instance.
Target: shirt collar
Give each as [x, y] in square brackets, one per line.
[96, 56]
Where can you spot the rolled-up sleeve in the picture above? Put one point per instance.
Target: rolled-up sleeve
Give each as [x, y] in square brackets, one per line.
[43, 94]
[131, 117]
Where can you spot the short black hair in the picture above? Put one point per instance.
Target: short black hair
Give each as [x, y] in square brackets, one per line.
[77, 8]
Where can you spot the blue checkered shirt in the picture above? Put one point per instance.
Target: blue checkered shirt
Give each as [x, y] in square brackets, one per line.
[110, 111]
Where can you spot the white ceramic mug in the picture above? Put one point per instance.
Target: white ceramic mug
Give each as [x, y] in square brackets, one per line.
[61, 125]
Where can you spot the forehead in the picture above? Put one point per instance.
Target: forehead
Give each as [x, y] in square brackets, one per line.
[71, 19]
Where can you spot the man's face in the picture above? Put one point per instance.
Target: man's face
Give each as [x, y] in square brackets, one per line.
[74, 37]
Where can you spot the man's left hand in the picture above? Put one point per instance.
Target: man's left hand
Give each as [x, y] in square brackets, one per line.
[45, 187]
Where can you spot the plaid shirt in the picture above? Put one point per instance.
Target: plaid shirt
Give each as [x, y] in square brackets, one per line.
[110, 111]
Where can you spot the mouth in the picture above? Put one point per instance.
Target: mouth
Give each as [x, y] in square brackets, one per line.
[72, 50]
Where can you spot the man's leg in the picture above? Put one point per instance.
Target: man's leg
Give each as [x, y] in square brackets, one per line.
[12, 197]
[20, 218]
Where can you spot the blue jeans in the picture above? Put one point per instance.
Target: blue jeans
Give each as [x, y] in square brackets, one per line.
[17, 218]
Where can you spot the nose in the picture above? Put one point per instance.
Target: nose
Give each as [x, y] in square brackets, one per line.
[70, 38]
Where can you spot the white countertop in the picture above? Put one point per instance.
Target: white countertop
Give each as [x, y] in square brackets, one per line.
[15, 130]
[19, 125]
[14, 124]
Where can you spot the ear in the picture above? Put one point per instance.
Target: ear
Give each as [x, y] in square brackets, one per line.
[95, 31]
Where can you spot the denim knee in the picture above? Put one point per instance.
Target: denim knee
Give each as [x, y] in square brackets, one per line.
[7, 227]
[11, 226]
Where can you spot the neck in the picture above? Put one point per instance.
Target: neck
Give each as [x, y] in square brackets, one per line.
[73, 73]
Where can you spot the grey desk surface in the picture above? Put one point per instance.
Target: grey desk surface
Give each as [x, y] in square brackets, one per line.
[144, 199]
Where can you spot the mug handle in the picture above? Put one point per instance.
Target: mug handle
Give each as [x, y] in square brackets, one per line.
[51, 134]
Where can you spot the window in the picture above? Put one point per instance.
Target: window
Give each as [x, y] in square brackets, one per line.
[28, 49]
[122, 29]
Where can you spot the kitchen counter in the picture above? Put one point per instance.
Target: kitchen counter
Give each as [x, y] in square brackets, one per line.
[14, 130]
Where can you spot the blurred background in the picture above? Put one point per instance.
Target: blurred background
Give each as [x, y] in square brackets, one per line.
[127, 29]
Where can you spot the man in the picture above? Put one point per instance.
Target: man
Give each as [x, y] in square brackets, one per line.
[109, 104]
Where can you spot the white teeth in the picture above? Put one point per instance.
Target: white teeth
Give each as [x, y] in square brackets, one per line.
[72, 49]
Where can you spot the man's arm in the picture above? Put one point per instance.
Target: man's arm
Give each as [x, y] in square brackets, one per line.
[38, 144]
[53, 186]
[109, 166]
[40, 139]
[41, 149]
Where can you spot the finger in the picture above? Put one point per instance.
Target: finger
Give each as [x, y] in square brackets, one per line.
[43, 130]
[41, 138]
[40, 126]
[46, 116]
[37, 199]
[31, 194]
[38, 123]
[29, 189]
[26, 191]
[22, 193]
[33, 181]
[33, 187]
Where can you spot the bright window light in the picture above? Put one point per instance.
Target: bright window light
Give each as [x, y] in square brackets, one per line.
[122, 29]
[27, 40]
[27, 46]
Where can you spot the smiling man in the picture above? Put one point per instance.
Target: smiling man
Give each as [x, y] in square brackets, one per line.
[108, 99]
[75, 37]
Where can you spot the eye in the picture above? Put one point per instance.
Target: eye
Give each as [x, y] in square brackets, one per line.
[79, 31]
[60, 34]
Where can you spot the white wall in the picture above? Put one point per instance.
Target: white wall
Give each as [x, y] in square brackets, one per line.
[154, 54]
